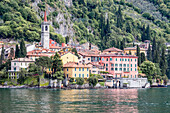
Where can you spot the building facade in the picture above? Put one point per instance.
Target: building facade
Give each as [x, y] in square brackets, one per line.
[73, 70]
[69, 57]
[17, 65]
[120, 65]
[133, 50]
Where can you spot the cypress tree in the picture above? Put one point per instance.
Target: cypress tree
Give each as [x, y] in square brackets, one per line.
[143, 34]
[143, 57]
[17, 52]
[11, 53]
[149, 53]
[128, 27]
[122, 44]
[2, 55]
[148, 36]
[138, 54]
[163, 64]
[23, 49]
[157, 56]
[130, 53]
[119, 18]
[154, 49]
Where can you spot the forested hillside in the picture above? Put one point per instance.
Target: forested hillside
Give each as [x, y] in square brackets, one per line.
[105, 23]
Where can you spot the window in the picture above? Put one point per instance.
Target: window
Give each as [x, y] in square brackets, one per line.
[116, 59]
[128, 59]
[82, 69]
[131, 60]
[46, 28]
[124, 65]
[125, 59]
[131, 76]
[79, 69]
[127, 69]
[88, 58]
[112, 65]
[106, 69]
[67, 69]
[75, 75]
[135, 65]
[120, 65]
[67, 75]
[99, 59]
[79, 75]
[110, 59]
[124, 75]
[131, 65]
[112, 69]
[124, 69]
[135, 60]
[107, 59]
[87, 69]
[42, 28]
[122, 59]
[49, 69]
[131, 69]
[116, 75]
[87, 75]
[83, 75]
[102, 59]
[120, 75]
[14, 68]
[115, 69]
[120, 69]
[127, 65]
[135, 69]
[135, 76]
[116, 65]
[75, 69]
[106, 65]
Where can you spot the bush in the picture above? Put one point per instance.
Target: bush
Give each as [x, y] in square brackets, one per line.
[71, 79]
[93, 81]
[101, 83]
[80, 81]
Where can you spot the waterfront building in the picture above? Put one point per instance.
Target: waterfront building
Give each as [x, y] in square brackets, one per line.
[17, 65]
[87, 45]
[69, 57]
[112, 50]
[95, 67]
[74, 69]
[133, 50]
[120, 65]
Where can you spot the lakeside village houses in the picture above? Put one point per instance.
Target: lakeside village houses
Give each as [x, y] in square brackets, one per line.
[117, 63]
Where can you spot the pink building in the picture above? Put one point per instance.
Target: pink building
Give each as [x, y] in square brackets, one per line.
[120, 65]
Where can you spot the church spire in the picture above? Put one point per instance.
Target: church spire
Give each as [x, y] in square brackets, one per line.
[45, 17]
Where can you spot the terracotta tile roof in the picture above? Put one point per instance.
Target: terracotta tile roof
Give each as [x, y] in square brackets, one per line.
[112, 49]
[22, 60]
[86, 52]
[55, 47]
[75, 64]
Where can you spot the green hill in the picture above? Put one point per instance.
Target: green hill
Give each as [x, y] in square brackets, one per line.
[105, 23]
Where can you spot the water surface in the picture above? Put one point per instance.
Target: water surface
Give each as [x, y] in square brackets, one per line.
[154, 100]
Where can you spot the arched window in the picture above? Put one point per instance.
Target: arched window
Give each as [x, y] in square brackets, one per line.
[46, 28]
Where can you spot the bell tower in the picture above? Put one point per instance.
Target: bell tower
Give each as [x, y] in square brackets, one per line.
[45, 33]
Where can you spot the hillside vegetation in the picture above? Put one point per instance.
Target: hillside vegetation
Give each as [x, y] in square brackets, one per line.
[105, 23]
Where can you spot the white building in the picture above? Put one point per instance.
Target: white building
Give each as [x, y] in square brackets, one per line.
[17, 65]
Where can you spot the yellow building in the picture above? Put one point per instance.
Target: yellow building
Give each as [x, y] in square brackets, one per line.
[73, 70]
[69, 57]
[133, 50]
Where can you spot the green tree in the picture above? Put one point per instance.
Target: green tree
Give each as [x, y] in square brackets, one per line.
[130, 53]
[163, 63]
[17, 52]
[128, 27]
[75, 52]
[44, 62]
[149, 53]
[2, 55]
[23, 49]
[57, 64]
[138, 54]
[148, 36]
[143, 58]
[154, 49]
[93, 81]
[119, 18]
[143, 34]
[34, 69]
[79, 81]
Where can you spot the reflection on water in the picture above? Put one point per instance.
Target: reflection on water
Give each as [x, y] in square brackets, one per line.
[101, 100]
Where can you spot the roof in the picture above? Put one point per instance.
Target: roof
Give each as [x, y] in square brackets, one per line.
[86, 52]
[75, 64]
[22, 60]
[45, 17]
[55, 47]
[64, 53]
[113, 49]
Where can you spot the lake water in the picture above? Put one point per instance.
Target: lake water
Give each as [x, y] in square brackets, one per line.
[154, 100]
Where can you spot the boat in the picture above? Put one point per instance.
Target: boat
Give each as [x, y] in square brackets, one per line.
[158, 85]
